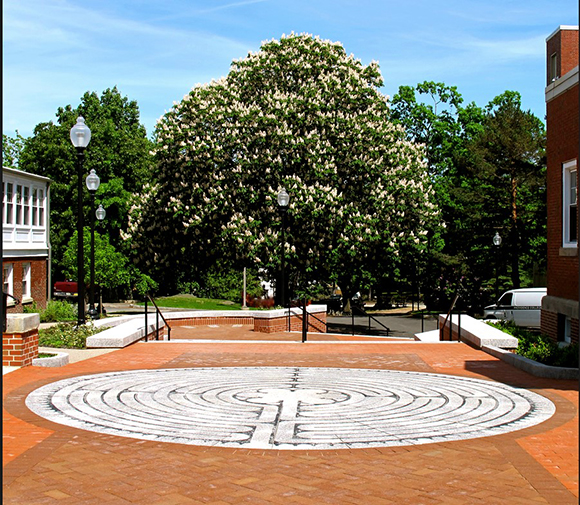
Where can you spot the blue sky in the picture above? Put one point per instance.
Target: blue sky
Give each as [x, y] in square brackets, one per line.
[154, 51]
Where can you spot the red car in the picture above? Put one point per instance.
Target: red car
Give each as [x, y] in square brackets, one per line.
[65, 289]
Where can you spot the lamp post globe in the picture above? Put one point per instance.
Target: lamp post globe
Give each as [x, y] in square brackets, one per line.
[283, 198]
[80, 136]
[497, 239]
[100, 213]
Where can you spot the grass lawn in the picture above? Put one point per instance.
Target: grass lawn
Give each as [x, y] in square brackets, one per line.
[192, 302]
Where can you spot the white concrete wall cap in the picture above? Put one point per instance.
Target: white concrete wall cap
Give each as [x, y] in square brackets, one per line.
[21, 323]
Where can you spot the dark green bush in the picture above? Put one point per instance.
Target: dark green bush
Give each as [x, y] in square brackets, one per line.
[67, 335]
[56, 311]
[539, 347]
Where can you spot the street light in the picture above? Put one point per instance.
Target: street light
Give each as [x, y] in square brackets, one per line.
[101, 213]
[93, 182]
[496, 243]
[80, 136]
[283, 200]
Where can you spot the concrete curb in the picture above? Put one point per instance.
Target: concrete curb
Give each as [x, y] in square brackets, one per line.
[532, 367]
[61, 359]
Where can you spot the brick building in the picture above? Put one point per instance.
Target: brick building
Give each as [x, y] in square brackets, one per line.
[25, 238]
[560, 306]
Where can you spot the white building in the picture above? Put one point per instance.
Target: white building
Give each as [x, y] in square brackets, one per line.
[25, 238]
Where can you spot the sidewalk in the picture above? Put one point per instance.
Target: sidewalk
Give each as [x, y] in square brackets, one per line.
[48, 463]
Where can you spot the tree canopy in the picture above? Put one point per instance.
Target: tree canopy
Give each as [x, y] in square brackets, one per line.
[119, 152]
[488, 170]
[299, 114]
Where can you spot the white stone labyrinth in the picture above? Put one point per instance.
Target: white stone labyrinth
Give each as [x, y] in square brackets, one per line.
[289, 408]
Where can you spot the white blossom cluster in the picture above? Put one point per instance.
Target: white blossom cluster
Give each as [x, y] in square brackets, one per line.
[299, 114]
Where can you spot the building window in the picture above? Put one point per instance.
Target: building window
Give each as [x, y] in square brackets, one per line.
[26, 280]
[41, 207]
[553, 68]
[18, 204]
[569, 204]
[7, 284]
[26, 205]
[564, 329]
[8, 203]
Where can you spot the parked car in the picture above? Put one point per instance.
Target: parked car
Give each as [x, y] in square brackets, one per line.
[522, 306]
[65, 289]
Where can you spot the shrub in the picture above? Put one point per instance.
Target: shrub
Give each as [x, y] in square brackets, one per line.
[56, 311]
[67, 335]
[539, 347]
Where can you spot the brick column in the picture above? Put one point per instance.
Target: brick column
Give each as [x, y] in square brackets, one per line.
[20, 341]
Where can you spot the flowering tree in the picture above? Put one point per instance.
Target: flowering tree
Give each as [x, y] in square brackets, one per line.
[299, 114]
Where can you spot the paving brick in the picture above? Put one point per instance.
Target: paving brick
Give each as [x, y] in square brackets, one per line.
[535, 465]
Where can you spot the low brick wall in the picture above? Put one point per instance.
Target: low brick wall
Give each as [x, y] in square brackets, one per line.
[277, 320]
[20, 341]
[130, 329]
[208, 321]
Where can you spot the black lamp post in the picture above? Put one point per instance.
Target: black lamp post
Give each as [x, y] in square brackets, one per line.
[101, 213]
[93, 182]
[283, 200]
[80, 136]
[496, 243]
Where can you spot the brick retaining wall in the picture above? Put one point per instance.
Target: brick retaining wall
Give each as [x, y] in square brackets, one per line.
[20, 340]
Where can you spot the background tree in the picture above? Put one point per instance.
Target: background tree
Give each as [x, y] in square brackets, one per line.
[11, 149]
[113, 270]
[509, 157]
[486, 166]
[299, 114]
[119, 152]
[433, 114]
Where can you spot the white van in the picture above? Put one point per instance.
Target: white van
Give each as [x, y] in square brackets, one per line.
[522, 306]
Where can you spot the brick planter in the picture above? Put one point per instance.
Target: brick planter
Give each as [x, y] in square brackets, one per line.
[20, 341]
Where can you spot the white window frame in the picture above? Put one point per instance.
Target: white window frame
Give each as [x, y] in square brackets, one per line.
[26, 278]
[8, 279]
[569, 179]
[8, 217]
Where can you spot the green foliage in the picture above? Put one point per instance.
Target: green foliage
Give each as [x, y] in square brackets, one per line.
[539, 347]
[67, 335]
[11, 150]
[56, 311]
[488, 170]
[111, 267]
[228, 284]
[142, 284]
[119, 152]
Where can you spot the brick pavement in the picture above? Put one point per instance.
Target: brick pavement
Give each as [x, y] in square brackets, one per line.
[44, 462]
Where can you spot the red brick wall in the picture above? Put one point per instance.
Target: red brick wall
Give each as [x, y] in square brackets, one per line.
[19, 349]
[549, 324]
[565, 44]
[262, 325]
[38, 281]
[206, 321]
[280, 324]
[562, 146]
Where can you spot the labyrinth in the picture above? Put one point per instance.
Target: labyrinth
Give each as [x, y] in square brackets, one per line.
[289, 408]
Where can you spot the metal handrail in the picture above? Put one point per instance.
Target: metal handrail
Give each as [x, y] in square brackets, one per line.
[158, 313]
[366, 314]
[442, 331]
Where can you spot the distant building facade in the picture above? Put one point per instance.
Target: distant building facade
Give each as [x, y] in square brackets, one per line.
[25, 238]
[560, 306]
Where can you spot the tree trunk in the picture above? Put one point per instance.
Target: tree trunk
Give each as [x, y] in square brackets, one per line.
[515, 236]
